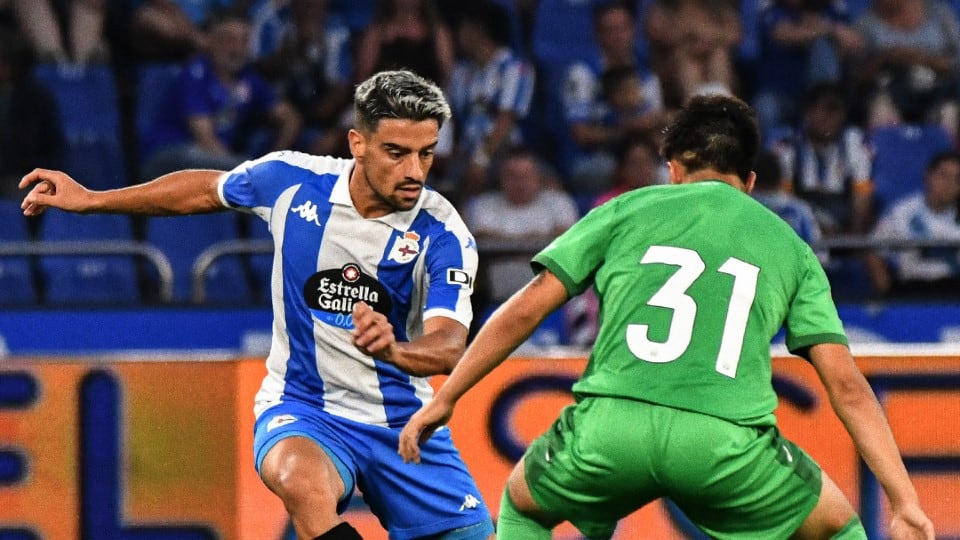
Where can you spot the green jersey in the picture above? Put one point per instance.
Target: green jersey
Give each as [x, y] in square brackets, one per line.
[694, 281]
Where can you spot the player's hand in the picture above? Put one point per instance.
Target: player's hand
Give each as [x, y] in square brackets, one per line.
[909, 523]
[372, 332]
[421, 426]
[52, 189]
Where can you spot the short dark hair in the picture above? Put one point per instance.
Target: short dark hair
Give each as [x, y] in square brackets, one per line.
[940, 157]
[602, 8]
[826, 92]
[400, 95]
[714, 132]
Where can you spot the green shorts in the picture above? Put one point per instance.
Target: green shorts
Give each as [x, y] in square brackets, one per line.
[607, 457]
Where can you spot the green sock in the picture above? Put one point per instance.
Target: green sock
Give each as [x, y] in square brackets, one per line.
[512, 525]
[853, 530]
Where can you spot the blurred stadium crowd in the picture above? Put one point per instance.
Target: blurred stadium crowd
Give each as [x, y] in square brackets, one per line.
[558, 106]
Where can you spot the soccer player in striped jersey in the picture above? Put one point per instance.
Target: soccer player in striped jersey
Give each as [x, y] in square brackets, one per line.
[694, 279]
[371, 288]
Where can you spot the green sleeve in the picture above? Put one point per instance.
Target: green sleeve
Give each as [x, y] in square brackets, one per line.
[575, 255]
[813, 317]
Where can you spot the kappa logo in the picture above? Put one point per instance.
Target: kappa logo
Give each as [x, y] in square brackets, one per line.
[307, 211]
[469, 503]
[280, 420]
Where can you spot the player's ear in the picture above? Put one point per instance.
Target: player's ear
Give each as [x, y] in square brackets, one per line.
[675, 171]
[358, 144]
[751, 180]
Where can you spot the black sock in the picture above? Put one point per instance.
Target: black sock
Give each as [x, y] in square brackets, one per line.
[343, 531]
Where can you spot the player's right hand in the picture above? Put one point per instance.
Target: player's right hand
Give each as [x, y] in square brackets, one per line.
[910, 522]
[421, 426]
[51, 189]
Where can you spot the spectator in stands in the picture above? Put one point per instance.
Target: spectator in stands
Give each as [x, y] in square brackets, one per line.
[30, 130]
[911, 63]
[772, 190]
[930, 214]
[692, 45]
[406, 34]
[305, 51]
[217, 106]
[490, 93]
[827, 162]
[606, 99]
[526, 209]
[638, 165]
[173, 30]
[68, 31]
[802, 43]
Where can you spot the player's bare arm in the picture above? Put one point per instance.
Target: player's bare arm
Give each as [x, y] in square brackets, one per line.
[857, 407]
[433, 353]
[181, 192]
[507, 328]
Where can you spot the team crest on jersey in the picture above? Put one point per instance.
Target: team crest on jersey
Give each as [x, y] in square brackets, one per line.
[331, 294]
[405, 248]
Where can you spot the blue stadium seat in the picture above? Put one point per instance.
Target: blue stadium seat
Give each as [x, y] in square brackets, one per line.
[183, 238]
[901, 154]
[153, 82]
[17, 286]
[261, 265]
[562, 31]
[89, 112]
[88, 279]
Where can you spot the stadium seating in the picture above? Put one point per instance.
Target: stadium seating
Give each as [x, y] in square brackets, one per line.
[900, 155]
[261, 264]
[17, 287]
[153, 83]
[88, 279]
[183, 238]
[89, 113]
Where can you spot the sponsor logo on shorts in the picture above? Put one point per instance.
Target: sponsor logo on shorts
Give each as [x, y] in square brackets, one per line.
[786, 450]
[469, 503]
[280, 420]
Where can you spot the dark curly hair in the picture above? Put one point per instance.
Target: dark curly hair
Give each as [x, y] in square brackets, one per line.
[714, 132]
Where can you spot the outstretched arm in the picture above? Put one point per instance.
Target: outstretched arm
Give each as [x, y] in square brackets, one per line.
[191, 191]
[507, 328]
[861, 414]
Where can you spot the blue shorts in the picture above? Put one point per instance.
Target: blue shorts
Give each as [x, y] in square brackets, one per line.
[410, 500]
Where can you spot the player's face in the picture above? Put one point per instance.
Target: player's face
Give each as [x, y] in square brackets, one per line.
[392, 164]
[943, 185]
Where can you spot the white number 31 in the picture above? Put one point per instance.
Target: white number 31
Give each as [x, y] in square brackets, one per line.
[673, 295]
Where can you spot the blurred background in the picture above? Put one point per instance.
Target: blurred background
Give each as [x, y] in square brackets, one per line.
[130, 347]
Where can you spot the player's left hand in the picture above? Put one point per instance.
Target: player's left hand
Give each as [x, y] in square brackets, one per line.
[372, 332]
[421, 426]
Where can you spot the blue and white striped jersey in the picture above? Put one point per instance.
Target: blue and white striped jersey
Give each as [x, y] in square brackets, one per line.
[409, 265]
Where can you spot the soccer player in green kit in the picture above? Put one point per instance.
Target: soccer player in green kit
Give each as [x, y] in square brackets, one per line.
[694, 279]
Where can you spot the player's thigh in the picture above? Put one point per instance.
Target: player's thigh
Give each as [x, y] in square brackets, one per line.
[595, 464]
[296, 451]
[739, 482]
